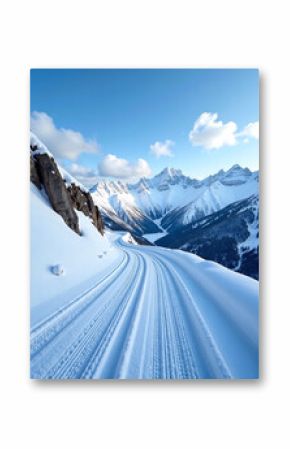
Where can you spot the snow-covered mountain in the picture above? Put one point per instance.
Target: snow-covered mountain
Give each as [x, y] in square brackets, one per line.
[173, 197]
[120, 210]
[229, 237]
[213, 194]
[170, 202]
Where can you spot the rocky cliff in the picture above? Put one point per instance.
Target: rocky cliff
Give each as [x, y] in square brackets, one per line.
[82, 201]
[64, 197]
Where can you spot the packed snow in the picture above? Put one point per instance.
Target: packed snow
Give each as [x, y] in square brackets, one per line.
[121, 310]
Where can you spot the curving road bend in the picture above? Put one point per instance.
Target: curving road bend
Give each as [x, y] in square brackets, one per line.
[160, 314]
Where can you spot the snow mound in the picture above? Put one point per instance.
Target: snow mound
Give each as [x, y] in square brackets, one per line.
[127, 237]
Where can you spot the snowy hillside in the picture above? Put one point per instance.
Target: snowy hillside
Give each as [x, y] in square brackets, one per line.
[229, 236]
[53, 243]
[63, 261]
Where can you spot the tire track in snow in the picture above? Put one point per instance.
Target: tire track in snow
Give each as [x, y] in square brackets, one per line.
[87, 350]
[109, 355]
[197, 338]
[63, 332]
[99, 336]
[183, 346]
[54, 324]
[137, 357]
[143, 320]
[174, 357]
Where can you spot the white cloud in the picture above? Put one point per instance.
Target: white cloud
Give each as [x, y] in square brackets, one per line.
[210, 133]
[116, 167]
[63, 143]
[85, 175]
[80, 170]
[162, 148]
[251, 130]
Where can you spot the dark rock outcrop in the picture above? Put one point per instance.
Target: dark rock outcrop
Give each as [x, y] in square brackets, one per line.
[83, 202]
[53, 183]
[64, 199]
[34, 176]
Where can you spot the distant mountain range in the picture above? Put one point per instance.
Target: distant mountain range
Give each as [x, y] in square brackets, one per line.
[216, 218]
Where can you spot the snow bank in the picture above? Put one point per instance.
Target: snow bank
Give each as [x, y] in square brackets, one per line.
[53, 243]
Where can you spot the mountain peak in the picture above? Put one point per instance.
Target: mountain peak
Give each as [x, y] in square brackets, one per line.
[236, 167]
[236, 175]
[170, 171]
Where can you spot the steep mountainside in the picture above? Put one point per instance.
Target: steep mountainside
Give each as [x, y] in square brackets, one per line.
[229, 236]
[66, 195]
[214, 194]
[119, 208]
[68, 245]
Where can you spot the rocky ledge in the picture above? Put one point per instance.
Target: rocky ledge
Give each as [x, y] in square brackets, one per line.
[64, 199]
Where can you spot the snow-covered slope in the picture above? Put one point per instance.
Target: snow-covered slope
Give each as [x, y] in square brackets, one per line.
[54, 243]
[233, 186]
[63, 262]
[229, 236]
[158, 314]
[119, 208]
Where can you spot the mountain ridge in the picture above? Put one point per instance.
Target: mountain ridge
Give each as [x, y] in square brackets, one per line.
[172, 192]
[174, 173]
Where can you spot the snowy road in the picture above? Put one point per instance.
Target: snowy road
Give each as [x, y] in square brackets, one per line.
[159, 314]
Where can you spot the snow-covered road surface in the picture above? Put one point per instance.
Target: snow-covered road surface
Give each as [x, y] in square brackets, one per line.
[156, 314]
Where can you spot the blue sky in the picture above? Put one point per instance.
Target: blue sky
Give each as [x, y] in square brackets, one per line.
[147, 115]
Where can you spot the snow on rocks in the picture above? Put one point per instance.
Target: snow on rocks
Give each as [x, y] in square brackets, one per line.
[65, 193]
